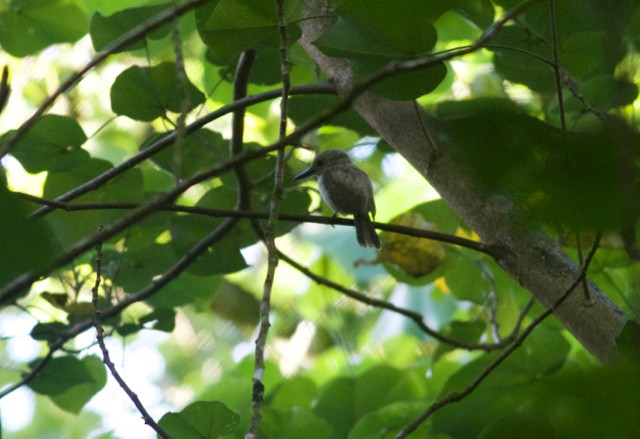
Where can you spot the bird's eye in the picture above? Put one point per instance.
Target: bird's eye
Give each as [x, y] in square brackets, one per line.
[319, 162]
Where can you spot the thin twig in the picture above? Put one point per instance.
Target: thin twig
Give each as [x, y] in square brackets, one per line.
[458, 396]
[181, 78]
[270, 233]
[555, 63]
[490, 250]
[417, 318]
[106, 358]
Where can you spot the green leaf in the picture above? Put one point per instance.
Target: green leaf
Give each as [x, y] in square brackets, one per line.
[403, 26]
[553, 174]
[201, 420]
[233, 303]
[466, 281]
[587, 402]
[519, 57]
[294, 423]
[298, 391]
[69, 227]
[27, 243]
[386, 422]
[343, 401]
[466, 332]
[583, 53]
[370, 55]
[48, 331]
[75, 398]
[603, 92]
[223, 257]
[201, 150]
[230, 27]
[60, 375]
[28, 26]
[53, 145]
[105, 30]
[146, 93]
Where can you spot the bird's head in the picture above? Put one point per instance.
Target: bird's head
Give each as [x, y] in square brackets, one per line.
[324, 162]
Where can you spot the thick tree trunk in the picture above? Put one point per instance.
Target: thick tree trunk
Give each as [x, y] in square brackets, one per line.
[530, 256]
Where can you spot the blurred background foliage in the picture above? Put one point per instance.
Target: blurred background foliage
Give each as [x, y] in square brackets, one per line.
[337, 367]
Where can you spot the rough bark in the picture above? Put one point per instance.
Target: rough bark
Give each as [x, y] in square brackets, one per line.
[530, 256]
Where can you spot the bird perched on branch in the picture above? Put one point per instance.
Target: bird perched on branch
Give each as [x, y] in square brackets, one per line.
[347, 190]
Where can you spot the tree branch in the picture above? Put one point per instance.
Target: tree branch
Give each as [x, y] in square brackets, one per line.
[170, 138]
[417, 318]
[529, 255]
[490, 250]
[270, 233]
[106, 357]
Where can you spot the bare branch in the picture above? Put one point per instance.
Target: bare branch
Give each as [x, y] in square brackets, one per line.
[490, 250]
[270, 232]
[412, 315]
[106, 358]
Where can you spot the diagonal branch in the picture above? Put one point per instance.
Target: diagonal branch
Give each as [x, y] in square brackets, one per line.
[458, 396]
[527, 253]
[170, 138]
[412, 315]
[106, 357]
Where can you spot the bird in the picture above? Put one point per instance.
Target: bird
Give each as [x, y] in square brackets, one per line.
[347, 190]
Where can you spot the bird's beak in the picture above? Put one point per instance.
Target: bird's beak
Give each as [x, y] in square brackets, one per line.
[306, 173]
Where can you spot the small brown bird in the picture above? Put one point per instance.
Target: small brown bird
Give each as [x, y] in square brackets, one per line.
[347, 190]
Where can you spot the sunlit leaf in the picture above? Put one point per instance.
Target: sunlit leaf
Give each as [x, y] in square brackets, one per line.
[27, 26]
[146, 93]
[105, 30]
[201, 420]
[53, 144]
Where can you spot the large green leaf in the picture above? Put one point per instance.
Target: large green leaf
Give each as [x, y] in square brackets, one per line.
[28, 244]
[223, 257]
[387, 421]
[343, 401]
[294, 423]
[60, 375]
[370, 54]
[105, 30]
[577, 403]
[556, 176]
[230, 27]
[146, 93]
[201, 420]
[27, 26]
[52, 145]
[401, 26]
[199, 150]
[75, 398]
[69, 227]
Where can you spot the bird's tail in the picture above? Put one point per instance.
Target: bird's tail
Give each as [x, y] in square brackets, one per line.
[365, 232]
